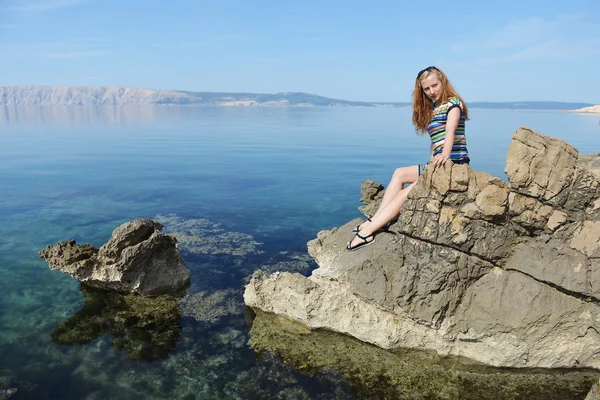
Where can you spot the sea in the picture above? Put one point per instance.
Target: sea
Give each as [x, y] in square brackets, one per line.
[242, 188]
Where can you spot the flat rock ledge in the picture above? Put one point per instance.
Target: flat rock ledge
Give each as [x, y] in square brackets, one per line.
[138, 258]
[507, 275]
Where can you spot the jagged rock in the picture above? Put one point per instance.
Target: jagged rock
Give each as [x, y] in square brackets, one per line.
[138, 258]
[591, 161]
[503, 274]
[372, 193]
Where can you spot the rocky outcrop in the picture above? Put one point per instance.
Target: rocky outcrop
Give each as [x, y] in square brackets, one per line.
[505, 274]
[138, 258]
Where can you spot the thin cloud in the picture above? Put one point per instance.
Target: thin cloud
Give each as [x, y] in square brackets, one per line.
[556, 50]
[48, 46]
[99, 41]
[534, 38]
[52, 50]
[217, 40]
[518, 33]
[549, 50]
[41, 6]
[26, 46]
[459, 47]
[74, 54]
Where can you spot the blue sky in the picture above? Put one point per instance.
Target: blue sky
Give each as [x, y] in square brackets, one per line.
[354, 50]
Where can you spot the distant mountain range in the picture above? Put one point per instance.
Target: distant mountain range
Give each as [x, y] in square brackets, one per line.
[124, 96]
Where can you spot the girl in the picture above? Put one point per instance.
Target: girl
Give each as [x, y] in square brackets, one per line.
[439, 111]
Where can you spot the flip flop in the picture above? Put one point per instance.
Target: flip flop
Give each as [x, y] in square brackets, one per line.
[363, 244]
[357, 229]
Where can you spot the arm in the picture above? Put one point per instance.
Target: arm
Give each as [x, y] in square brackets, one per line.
[451, 125]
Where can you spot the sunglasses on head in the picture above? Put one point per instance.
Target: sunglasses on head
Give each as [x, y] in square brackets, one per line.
[428, 69]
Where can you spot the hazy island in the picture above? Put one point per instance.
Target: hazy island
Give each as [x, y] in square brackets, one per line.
[126, 96]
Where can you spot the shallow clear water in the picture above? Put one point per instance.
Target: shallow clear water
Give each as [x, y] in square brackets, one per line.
[270, 175]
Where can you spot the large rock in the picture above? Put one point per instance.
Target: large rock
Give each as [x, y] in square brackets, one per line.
[138, 258]
[505, 274]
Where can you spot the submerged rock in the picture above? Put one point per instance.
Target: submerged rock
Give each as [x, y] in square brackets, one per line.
[145, 328]
[204, 237]
[502, 274]
[6, 391]
[212, 307]
[138, 258]
[375, 373]
[14, 388]
[271, 378]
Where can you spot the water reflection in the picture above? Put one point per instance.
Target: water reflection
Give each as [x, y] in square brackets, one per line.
[148, 113]
[376, 373]
[87, 115]
[143, 327]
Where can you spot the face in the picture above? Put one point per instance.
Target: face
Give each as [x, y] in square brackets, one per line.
[432, 86]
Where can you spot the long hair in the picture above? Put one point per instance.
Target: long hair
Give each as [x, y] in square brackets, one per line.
[422, 104]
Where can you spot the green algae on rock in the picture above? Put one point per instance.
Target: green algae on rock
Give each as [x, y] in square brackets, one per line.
[143, 327]
[203, 237]
[373, 372]
[212, 307]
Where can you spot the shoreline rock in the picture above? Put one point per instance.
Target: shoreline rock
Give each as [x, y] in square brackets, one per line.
[502, 274]
[138, 258]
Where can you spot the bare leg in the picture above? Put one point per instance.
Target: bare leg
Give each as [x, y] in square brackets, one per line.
[383, 215]
[400, 177]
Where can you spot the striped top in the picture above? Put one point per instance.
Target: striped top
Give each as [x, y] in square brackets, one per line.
[437, 130]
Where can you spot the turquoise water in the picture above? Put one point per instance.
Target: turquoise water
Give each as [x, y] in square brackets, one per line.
[271, 177]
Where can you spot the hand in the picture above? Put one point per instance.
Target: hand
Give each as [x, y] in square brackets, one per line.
[439, 159]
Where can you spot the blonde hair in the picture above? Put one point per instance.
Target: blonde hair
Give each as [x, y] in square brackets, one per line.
[422, 104]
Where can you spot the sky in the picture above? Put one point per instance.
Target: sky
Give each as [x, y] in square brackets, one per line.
[507, 50]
